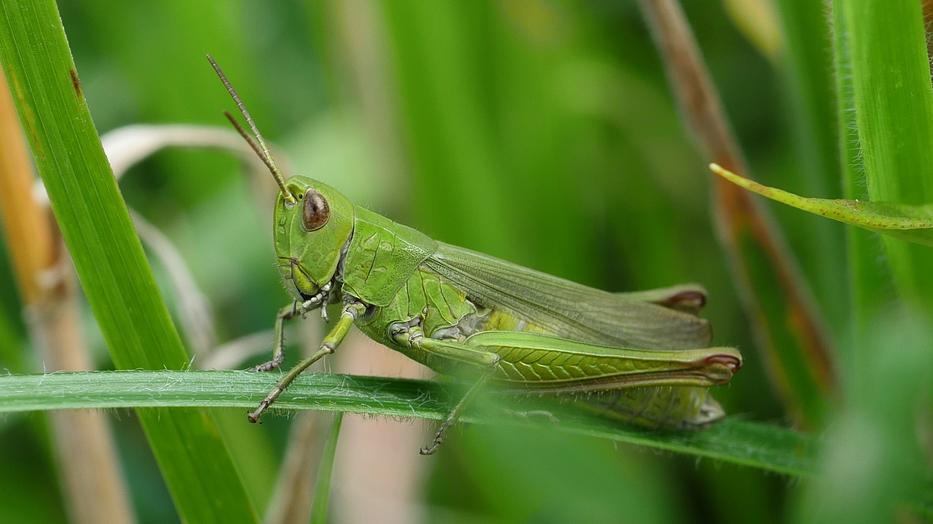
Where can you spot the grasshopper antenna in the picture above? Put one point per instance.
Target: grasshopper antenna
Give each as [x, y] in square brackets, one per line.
[258, 145]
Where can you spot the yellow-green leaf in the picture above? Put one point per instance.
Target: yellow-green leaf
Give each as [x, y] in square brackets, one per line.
[907, 222]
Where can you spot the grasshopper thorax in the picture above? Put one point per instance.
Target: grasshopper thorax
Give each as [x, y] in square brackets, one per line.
[310, 234]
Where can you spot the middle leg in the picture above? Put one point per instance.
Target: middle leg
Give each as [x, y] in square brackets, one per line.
[454, 351]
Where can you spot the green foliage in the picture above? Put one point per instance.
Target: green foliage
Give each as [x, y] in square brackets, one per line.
[893, 104]
[910, 223]
[873, 466]
[108, 257]
[325, 470]
[540, 132]
[807, 64]
[767, 447]
[870, 286]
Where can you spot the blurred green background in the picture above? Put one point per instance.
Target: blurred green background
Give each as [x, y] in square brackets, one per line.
[539, 131]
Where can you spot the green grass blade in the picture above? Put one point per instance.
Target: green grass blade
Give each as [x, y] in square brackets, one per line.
[325, 472]
[870, 282]
[438, 70]
[752, 444]
[11, 353]
[868, 468]
[893, 103]
[108, 257]
[911, 223]
[807, 67]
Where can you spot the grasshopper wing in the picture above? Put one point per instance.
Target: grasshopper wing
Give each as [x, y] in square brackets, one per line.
[568, 309]
[689, 298]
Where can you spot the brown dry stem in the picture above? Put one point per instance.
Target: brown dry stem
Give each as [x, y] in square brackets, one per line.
[738, 217]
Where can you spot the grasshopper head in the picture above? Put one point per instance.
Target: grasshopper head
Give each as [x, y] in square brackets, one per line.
[313, 222]
[310, 234]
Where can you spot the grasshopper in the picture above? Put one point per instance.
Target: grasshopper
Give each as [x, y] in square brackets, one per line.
[641, 357]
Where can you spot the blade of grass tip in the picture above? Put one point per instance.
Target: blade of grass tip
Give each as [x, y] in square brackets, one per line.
[756, 445]
[81, 439]
[108, 257]
[322, 488]
[788, 328]
[757, 21]
[911, 223]
[893, 102]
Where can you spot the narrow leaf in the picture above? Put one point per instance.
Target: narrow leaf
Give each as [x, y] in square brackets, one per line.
[108, 257]
[871, 287]
[806, 66]
[757, 445]
[907, 222]
[893, 105]
[324, 473]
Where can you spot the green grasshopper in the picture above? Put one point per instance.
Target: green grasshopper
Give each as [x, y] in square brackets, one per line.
[638, 357]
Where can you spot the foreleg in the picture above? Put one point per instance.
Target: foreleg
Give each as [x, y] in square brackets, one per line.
[286, 313]
[333, 339]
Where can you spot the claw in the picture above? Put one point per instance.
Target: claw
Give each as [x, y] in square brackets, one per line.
[268, 366]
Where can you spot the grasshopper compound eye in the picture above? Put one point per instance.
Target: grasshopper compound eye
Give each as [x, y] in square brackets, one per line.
[316, 211]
